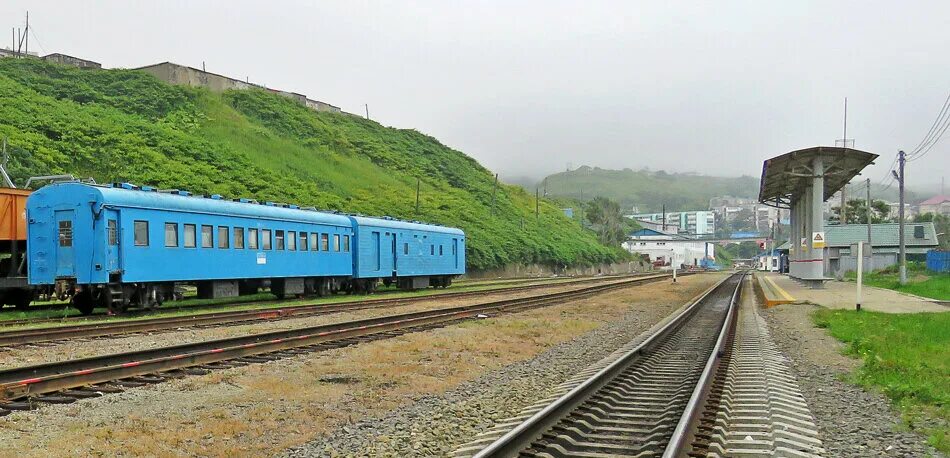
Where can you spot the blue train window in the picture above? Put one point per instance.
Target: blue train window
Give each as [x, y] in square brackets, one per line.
[223, 238]
[324, 242]
[252, 239]
[265, 235]
[291, 241]
[171, 235]
[405, 248]
[346, 243]
[113, 232]
[314, 244]
[440, 250]
[190, 236]
[207, 236]
[336, 242]
[239, 238]
[279, 238]
[140, 229]
[303, 241]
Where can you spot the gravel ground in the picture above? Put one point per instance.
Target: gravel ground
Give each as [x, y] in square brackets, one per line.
[852, 422]
[434, 425]
[266, 409]
[82, 348]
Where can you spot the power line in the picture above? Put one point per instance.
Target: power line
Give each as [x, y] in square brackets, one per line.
[940, 115]
[933, 142]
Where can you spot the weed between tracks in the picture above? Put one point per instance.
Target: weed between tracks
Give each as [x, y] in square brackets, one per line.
[907, 356]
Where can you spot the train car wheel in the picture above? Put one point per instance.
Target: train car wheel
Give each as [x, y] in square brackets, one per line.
[84, 302]
[22, 298]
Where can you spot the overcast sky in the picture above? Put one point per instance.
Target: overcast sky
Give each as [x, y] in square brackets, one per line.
[529, 87]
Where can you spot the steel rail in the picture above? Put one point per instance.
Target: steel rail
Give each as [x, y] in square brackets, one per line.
[52, 377]
[384, 301]
[680, 440]
[525, 433]
[111, 328]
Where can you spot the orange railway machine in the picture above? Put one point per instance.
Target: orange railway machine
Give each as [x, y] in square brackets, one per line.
[14, 289]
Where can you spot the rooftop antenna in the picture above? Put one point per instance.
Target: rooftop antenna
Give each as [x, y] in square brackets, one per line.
[844, 141]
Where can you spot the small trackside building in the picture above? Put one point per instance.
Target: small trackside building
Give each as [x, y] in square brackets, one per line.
[413, 255]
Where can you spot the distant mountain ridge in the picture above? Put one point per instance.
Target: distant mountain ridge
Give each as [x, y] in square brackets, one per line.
[646, 190]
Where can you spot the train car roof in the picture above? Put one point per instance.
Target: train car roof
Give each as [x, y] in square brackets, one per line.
[146, 197]
[407, 225]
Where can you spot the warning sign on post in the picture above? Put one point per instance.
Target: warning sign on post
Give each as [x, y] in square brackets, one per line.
[818, 239]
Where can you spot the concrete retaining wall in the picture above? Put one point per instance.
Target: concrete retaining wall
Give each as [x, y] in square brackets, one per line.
[542, 270]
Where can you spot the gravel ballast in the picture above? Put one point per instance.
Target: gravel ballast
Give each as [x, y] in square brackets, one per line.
[852, 422]
[435, 425]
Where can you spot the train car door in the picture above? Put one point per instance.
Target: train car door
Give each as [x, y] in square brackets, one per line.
[112, 240]
[65, 256]
[394, 256]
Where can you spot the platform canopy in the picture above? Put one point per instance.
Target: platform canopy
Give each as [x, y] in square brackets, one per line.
[786, 178]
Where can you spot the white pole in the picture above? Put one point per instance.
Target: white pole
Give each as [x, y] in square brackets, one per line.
[860, 273]
[673, 263]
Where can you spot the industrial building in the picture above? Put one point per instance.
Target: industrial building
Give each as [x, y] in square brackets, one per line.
[666, 247]
[699, 222]
[184, 75]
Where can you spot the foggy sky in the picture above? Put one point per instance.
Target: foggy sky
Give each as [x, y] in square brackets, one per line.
[528, 87]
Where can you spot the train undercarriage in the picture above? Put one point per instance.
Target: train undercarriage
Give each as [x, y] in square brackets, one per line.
[118, 296]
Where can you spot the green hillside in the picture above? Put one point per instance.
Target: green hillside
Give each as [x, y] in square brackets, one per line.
[123, 125]
[649, 190]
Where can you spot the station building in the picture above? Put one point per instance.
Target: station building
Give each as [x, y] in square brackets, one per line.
[670, 249]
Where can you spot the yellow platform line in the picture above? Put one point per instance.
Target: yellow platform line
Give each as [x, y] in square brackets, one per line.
[781, 291]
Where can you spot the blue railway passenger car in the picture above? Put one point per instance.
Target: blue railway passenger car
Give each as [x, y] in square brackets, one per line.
[116, 246]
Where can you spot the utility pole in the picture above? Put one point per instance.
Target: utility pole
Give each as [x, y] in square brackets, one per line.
[493, 191]
[418, 183]
[366, 105]
[664, 217]
[901, 158]
[844, 205]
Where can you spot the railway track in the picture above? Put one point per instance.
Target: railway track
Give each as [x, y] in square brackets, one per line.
[642, 403]
[32, 336]
[709, 383]
[517, 286]
[63, 382]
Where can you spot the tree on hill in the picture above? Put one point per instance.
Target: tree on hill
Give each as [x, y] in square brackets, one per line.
[607, 220]
[857, 211]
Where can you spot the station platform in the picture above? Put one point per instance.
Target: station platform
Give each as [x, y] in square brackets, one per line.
[781, 289]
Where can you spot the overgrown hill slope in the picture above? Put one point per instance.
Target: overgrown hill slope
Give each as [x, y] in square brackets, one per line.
[648, 190]
[122, 125]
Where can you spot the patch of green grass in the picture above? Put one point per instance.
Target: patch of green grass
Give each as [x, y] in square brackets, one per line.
[906, 356]
[920, 281]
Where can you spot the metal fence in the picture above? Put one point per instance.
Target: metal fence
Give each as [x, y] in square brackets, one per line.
[938, 261]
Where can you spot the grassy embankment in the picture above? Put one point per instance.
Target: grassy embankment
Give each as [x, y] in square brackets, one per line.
[920, 281]
[123, 125]
[906, 356]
